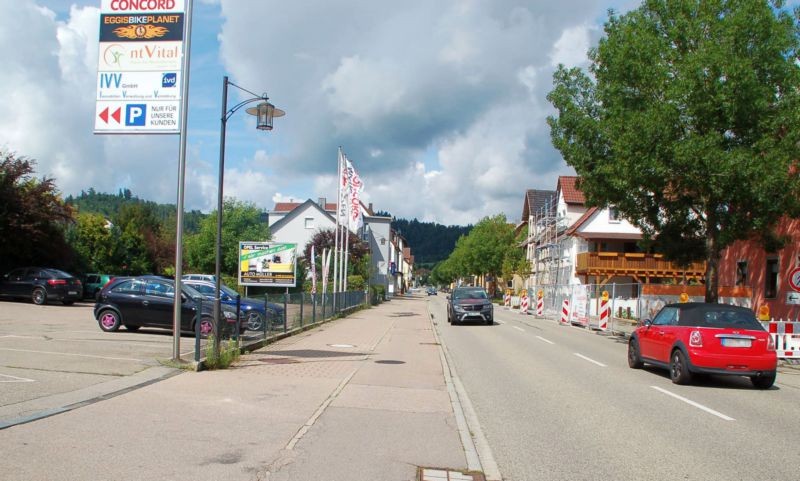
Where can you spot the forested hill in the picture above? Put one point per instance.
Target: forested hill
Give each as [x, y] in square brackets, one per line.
[430, 242]
[109, 205]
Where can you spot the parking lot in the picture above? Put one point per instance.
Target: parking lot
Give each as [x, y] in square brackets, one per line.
[53, 349]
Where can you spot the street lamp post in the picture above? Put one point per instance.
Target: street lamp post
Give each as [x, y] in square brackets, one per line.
[264, 113]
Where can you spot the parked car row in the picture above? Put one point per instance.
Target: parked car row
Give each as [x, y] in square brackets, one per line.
[147, 301]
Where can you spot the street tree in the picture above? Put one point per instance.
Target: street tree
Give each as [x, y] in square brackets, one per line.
[33, 216]
[686, 123]
[358, 253]
[241, 221]
[95, 241]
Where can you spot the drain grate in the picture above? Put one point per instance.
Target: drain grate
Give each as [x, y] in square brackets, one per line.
[278, 360]
[442, 474]
[430, 343]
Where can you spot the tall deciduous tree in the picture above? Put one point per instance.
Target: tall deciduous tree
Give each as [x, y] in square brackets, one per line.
[241, 221]
[688, 123]
[33, 217]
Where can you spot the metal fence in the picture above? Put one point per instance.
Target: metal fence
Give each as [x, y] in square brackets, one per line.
[284, 313]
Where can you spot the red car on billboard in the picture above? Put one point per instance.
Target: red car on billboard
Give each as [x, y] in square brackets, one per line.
[703, 338]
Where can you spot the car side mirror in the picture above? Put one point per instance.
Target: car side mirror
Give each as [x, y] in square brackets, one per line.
[647, 323]
[448, 298]
[184, 298]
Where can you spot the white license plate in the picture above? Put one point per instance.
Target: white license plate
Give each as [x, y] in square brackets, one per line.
[73, 293]
[730, 342]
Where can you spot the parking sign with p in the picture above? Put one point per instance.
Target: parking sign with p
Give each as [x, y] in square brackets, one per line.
[135, 115]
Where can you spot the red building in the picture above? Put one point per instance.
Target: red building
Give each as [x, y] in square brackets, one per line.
[747, 270]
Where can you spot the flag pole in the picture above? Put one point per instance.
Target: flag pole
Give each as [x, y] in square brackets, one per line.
[338, 207]
[346, 234]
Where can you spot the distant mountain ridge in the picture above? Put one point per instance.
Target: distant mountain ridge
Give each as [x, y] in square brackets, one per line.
[430, 242]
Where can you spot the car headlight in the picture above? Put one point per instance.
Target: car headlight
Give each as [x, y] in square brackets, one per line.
[458, 308]
[487, 307]
[229, 315]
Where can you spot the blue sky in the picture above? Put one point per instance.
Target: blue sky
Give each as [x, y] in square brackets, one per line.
[440, 105]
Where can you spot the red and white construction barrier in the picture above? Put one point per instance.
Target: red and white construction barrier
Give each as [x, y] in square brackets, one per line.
[539, 306]
[787, 338]
[507, 301]
[604, 311]
[565, 312]
[523, 304]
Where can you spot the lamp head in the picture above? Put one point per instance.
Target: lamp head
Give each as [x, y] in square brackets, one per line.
[264, 113]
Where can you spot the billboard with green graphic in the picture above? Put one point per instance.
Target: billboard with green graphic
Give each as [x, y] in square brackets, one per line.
[267, 264]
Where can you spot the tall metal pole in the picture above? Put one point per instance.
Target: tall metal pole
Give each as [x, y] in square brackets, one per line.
[338, 216]
[218, 263]
[177, 300]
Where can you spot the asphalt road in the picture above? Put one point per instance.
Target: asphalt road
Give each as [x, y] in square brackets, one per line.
[560, 403]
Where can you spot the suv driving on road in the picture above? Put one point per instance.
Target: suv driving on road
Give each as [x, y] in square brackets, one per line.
[469, 304]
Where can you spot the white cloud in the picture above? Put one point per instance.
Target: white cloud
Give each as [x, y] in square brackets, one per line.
[572, 47]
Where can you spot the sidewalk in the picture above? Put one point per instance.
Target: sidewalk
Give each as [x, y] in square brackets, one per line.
[360, 398]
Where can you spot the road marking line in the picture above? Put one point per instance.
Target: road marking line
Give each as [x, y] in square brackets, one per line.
[22, 337]
[545, 340]
[71, 354]
[697, 405]
[590, 360]
[518, 328]
[16, 379]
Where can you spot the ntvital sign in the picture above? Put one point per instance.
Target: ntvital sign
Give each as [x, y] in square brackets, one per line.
[140, 67]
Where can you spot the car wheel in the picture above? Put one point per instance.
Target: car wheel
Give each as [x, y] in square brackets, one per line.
[764, 381]
[490, 322]
[39, 296]
[254, 321]
[634, 358]
[206, 327]
[679, 368]
[68, 303]
[109, 320]
[132, 328]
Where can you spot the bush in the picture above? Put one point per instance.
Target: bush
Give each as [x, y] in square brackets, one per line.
[356, 283]
[228, 353]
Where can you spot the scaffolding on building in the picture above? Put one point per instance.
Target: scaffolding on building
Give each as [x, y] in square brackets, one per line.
[546, 234]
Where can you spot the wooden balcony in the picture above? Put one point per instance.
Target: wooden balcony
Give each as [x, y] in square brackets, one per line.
[642, 267]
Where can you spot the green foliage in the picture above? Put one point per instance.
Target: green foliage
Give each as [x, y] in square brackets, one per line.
[358, 262]
[490, 248]
[431, 242]
[110, 205]
[241, 221]
[356, 282]
[94, 240]
[229, 353]
[33, 218]
[687, 123]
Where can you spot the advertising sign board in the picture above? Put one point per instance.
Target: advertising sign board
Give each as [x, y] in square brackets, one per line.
[139, 69]
[580, 301]
[267, 264]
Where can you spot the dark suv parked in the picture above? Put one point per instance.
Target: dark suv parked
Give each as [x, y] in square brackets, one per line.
[40, 285]
[469, 304]
[147, 301]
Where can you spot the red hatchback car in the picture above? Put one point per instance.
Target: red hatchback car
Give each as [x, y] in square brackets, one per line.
[704, 338]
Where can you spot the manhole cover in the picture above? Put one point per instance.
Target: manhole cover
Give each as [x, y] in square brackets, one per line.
[341, 345]
[390, 361]
[403, 314]
[278, 360]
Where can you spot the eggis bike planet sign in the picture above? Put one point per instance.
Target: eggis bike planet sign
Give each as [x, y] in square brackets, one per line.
[267, 264]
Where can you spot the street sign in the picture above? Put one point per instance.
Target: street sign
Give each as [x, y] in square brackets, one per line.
[140, 67]
[794, 279]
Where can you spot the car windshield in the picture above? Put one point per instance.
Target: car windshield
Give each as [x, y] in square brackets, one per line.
[470, 294]
[58, 273]
[191, 291]
[227, 290]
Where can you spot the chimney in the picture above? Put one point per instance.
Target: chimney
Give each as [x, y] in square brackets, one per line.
[370, 208]
[321, 201]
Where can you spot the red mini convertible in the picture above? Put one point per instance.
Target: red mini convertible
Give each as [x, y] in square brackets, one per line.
[699, 338]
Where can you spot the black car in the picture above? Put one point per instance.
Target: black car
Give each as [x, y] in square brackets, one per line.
[469, 304]
[147, 301]
[41, 284]
[255, 310]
